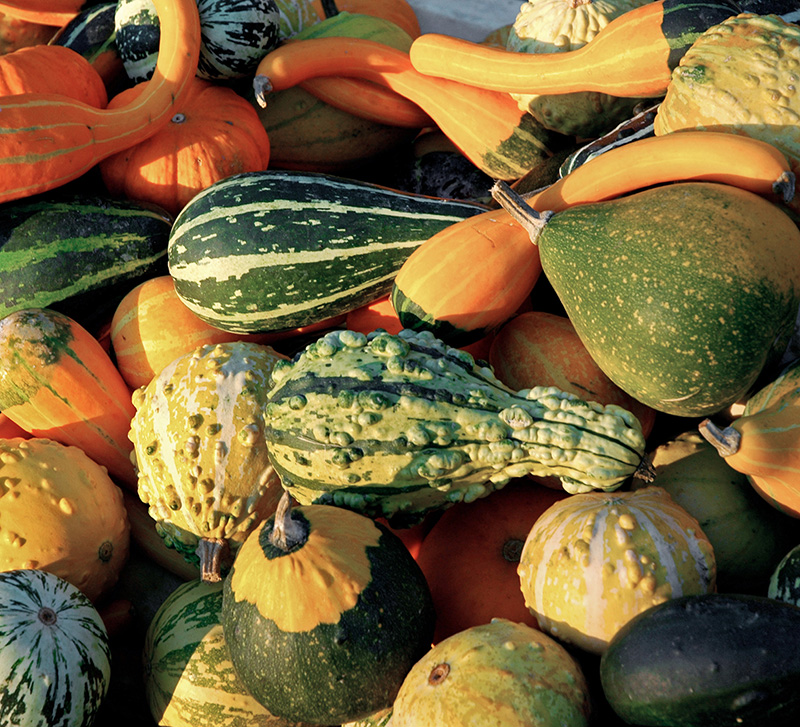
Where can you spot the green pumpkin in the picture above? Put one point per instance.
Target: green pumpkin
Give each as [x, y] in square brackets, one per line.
[324, 612]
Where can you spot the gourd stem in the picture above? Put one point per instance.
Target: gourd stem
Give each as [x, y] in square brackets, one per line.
[645, 471]
[286, 533]
[513, 203]
[210, 552]
[329, 8]
[784, 186]
[726, 441]
[261, 87]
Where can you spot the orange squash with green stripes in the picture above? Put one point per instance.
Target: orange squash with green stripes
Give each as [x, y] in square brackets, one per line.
[47, 140]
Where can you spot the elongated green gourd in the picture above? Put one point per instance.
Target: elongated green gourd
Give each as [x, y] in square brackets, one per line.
[398, 425]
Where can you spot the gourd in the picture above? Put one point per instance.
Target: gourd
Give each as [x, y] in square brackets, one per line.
[400, 425]
[656, 293]
[784, 581]
[78, 253]
[763, 441]
[49, 139]
[47, 12]
[400, 12]
[233, 37]
[503, 671]
[243, 274]
[57, 382]
[632, 56]
[737, 78]
[748, 536]
[320, 595]
[198, 446]
[55, 660]
[17, 33]
[488, 127]
[214, 134]
[562, 26]
[706, 659]
[594, 561]
[51, 69]
[189, 680]
[61, 513]
[470, 556]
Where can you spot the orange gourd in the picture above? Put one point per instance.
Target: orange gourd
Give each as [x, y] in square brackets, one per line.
[56, 381]
[45, 12]
[537, 348]
[47, 140]
[487, 126]
[51, 69]
[17, 33]
[471, 554]
[213, 134]
[399, 12]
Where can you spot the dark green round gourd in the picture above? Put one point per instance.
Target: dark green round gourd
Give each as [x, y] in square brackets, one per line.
[784, 583]
[711, 660]
[682, 293]
[324, 613]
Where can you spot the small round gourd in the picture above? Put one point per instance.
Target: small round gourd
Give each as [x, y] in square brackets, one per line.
[61, 513]
[595, 560]
[55, 659]
[324, 612]
[784, 583]
[500, 673]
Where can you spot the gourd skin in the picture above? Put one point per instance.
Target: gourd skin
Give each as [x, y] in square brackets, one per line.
[400, 425]
[198, 447]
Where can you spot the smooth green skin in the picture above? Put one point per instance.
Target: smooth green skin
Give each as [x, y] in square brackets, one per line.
[673, 291]
[713, 660]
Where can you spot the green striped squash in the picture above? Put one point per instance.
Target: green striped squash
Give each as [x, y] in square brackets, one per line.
[275, 250]
[235, 35]
[55, 660]
[77, 253]
[189, 679]
[784, 583]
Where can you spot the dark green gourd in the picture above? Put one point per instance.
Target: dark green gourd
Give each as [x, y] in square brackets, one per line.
[682, 293]
[399, 425]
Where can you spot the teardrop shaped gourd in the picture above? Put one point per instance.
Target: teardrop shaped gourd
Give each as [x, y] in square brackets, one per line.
[399, 425]
[199, 450]
[681, 293]
[595, 560]
[47, 140]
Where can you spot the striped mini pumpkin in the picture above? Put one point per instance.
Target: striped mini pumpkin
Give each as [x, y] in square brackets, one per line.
[593, 561]
[55, 660]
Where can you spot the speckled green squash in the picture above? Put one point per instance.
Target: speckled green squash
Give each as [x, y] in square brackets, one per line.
[784, 583]
[500, 673]
[55, 658]
[189, 678]
[399, 425]
[325, 629]
[681, 293]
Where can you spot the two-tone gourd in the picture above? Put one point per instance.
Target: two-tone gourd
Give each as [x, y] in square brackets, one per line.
[397, 425]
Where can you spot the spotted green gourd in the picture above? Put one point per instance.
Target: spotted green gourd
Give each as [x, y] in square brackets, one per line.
[189, 678]
[398, 425]
[199, 450]
[55, 658]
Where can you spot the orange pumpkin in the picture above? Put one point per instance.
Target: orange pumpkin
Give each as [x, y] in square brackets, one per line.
[52, 69]
[213, 134]
[471, 554]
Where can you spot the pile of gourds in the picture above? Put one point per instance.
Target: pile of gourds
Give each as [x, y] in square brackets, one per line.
[523, 458]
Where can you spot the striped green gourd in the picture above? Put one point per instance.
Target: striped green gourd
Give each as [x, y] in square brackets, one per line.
[275, 250]
[55, 658]
[235, 35]
[78, 253]
[399, 425]
[189, 679]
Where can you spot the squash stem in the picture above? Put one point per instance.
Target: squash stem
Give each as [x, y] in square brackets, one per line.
[261, 87]
[210, 552]
[784, 186]
[726, 441]
[286, 533]
[513, 203]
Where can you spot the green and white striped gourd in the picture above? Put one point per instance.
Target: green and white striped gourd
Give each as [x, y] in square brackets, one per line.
[398, 425]
[277, 250]
[55, 659]
[199, 450]
[189, 679]
[235, 35]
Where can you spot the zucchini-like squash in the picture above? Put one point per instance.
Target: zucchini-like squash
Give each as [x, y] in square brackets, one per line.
[397, 425]
[271, 250]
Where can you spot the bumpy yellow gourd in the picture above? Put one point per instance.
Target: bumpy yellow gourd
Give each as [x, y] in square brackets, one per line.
[199, 449]
[593, 561]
